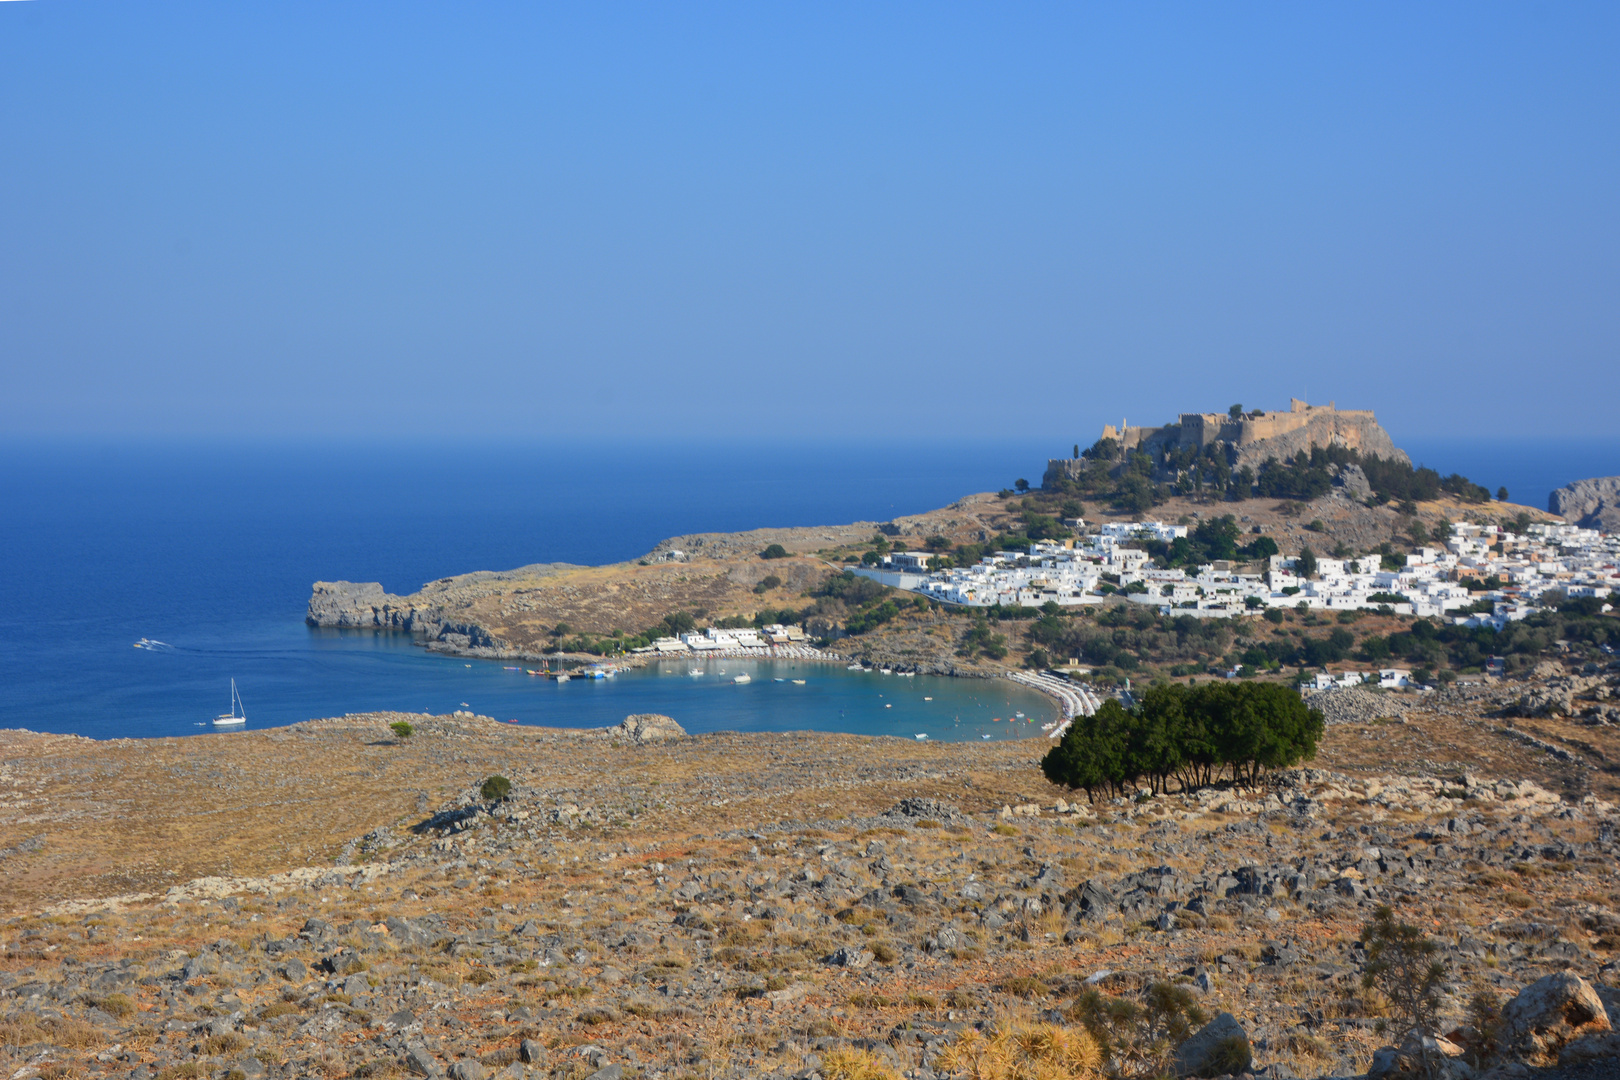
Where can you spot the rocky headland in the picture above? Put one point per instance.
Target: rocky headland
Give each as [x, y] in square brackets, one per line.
[515, 614]
[1591, 504]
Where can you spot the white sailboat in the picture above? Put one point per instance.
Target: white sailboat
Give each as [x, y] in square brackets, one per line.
[237, 716]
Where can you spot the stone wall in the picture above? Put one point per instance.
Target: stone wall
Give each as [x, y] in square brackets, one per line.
[1260, 435]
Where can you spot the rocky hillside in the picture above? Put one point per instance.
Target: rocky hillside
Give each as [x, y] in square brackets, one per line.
[335, 900]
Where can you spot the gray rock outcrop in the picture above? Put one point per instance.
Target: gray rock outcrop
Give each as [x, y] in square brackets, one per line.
[1551, 1012]
[363, 605]
[1352, 480]
[1220, 1048]
[644, 728]
[1420, 1056]
[1591, 504]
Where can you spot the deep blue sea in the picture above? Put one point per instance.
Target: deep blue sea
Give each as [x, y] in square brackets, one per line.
[212, 548]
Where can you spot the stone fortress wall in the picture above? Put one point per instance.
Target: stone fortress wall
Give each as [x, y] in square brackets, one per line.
[1257, 436]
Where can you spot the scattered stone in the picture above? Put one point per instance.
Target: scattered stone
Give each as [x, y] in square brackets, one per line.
[1421, 1057]
[853, 959]
[1354, 705]
[1219, 1048]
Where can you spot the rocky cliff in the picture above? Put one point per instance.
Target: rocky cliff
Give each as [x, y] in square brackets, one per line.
[442, 613]
[1362, 434]
[362, 605]
[1591, 504]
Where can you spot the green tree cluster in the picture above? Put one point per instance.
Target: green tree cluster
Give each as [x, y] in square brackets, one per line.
[1138, 479]
[980, 638]
[1577, 622]
[1126, 637]
[1189, 734]
[1211, 539]
[862, 603]
[1309, 652]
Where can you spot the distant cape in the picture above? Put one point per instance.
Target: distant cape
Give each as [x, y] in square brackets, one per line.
[1591, 504]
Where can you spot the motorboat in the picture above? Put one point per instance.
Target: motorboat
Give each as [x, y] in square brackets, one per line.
[798, 682]
[237, 716]
[743, 678]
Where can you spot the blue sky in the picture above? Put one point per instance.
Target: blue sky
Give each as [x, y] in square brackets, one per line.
[607, 221]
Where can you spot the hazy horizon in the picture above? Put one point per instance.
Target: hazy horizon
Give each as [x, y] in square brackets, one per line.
[794, 223]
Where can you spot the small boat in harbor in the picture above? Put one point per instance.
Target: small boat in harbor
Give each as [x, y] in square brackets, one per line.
[798, 682]
[854, 667]
[237, 716]
[920, 735]
[743, 678]
[928, 699]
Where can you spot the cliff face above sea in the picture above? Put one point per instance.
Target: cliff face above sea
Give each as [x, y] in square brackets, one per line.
[1591, 504]
[443, 612]
[359, 605]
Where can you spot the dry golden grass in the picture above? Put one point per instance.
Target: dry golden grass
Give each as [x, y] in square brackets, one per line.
[151, 805]
[64, 1031]
[852, 1064]
[1013, 1051]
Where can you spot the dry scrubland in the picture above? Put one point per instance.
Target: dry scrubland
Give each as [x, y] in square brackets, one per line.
[786, 905]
